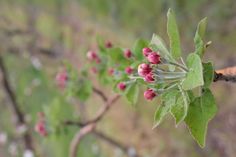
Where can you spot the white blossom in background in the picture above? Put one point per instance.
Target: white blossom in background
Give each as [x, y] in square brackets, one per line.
[36, 63]
[118, 153]
[12, 149]
[132, 152]
[3, 138]
[21, 129]
[28, 153]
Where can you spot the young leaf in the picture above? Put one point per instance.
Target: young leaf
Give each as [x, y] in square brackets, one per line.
[179, 109]
[138, 46]
[157, 44]
[198, 39]
[208, 74]
[201, 111]
[194, 77]
[168, 100]
[173, 33]
[132, 93]
[83, 89]
[160, 113]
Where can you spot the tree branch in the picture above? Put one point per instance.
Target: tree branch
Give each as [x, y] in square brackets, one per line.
[15, 107]
[78, 137]
[100, 93]
[227, 74]
[103, 110]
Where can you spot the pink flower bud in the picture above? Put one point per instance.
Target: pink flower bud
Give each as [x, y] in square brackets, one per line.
[98, 60]
[94, 70]
[61, 79]
[92, 55]
[40, 128]
[149, 77]
[129, 70]
[108, 44]
[127, 53]
[146, 51]
[111, 71]
[149, 94]
[144, 69]
[154, 58]
[121, 86]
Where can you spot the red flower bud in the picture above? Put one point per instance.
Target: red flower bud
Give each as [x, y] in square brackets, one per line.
[146, 51]
[111, 71]
[149, 77]
[108, 44]
[92, 55]
[40, 128]
[121, 86]
[94, 70]
[129, 70]
[127, 53]
[154, 58]
[144, 69]
[149, 94]
[61, 79]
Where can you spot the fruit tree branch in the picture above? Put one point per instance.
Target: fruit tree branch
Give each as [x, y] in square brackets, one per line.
[227, 74]
[15, 106]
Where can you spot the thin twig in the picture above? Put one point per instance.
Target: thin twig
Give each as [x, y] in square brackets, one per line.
[111, 141]
[100, 114]
[15, 107]
[100, 93]
[78, 137]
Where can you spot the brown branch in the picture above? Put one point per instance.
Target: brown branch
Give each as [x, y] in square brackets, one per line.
[125, 149]
[227, 74]
[15, 107]
[100, 93]
[111, 141]
[78, 137]
[103, 110]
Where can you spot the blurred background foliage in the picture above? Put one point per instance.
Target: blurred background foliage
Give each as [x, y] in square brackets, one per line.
[38, 35]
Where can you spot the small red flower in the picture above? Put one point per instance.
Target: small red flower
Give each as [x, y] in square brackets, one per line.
[154, 58]
[121, 86]
[127, 53]
[146, 51]
[61, 79]
[144, 69]
[129, 70]
[149, 77]
[149, 94]
[108, 44]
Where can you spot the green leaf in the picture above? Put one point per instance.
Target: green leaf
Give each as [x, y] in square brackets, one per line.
[208, 74]
[173, 33]
[117, 57]
[194, 77]
[160, 113]
[83, 90]
[198, 39]
[138, 46]
[168, 100]
[101, 44]
[132, 93]
[157, 44]
[179, 109]
[201, 111]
